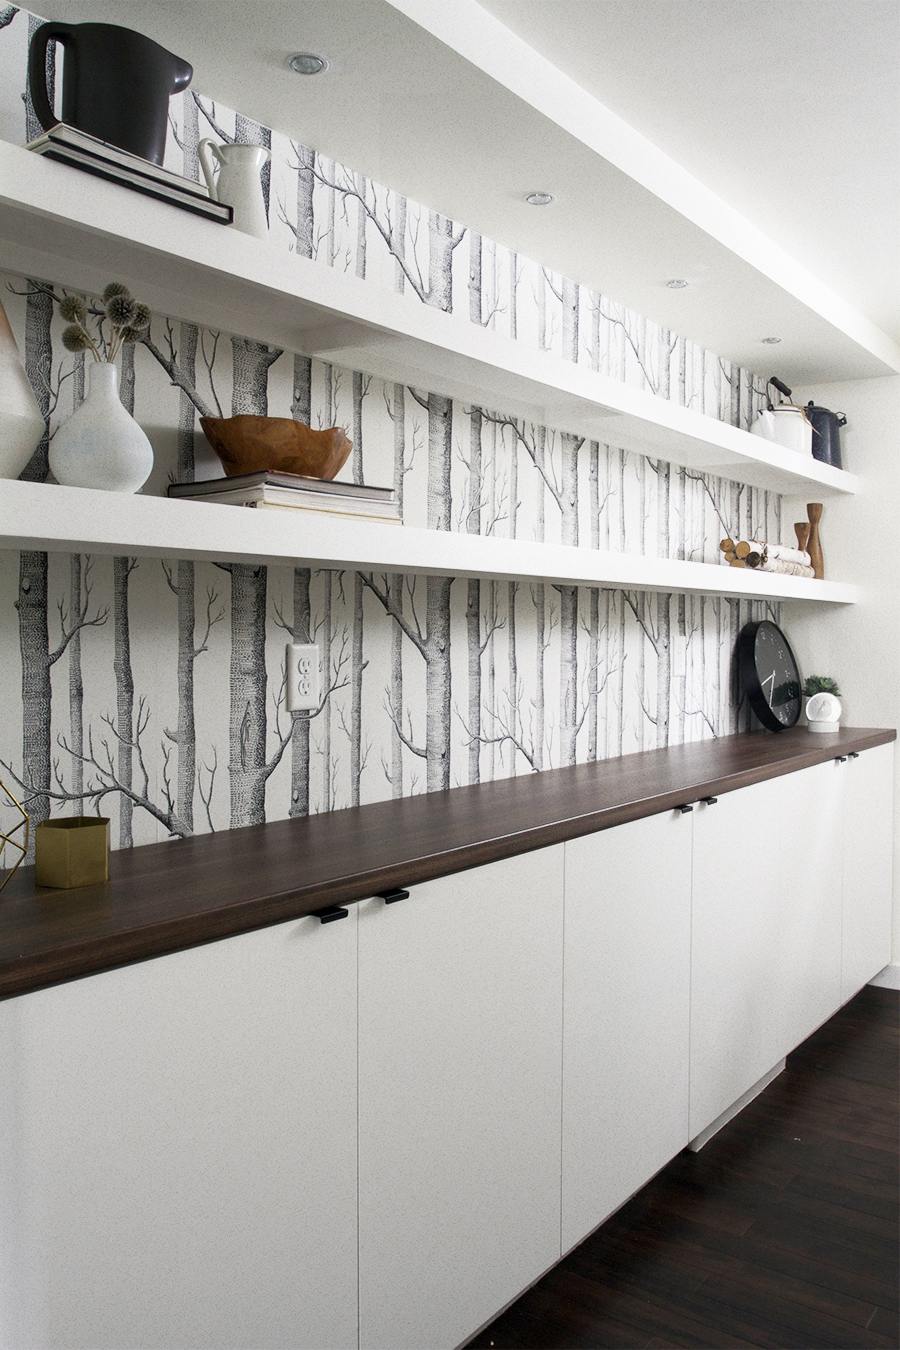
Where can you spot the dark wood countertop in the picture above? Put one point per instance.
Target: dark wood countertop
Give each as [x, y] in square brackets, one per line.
[164, 897]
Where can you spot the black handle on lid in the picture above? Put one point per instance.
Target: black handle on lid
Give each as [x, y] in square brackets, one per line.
[780, 386]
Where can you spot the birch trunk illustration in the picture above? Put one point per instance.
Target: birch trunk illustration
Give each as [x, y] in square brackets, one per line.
[357, 663]
[436, 645]
[473, 595]
[357, 666]
[325, 725]
[475, 292]
[570, 722]
[122, 569]
[663, 608]
[185, 735]
[33, 127]
[513, 294]
[594, 604]
[34, 645]
[538, 599]
[248, 768]
[34, 638]
[76, 682]
[361, 219]
[248, 132]
[398, 245]
[394, 590]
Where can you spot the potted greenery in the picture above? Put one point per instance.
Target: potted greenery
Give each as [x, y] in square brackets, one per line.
[823, 708]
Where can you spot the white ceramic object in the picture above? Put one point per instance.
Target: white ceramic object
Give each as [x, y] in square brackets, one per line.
[785, 425]
[238, 184]
[101, 445]
[823, 713]
[21, 423]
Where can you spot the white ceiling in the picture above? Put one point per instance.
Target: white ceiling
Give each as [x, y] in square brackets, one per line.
[786, 109]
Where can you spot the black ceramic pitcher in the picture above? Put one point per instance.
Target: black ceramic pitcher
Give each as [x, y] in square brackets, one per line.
[116, 84]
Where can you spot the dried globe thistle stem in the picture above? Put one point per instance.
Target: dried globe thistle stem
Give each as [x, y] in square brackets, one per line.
[127, 319]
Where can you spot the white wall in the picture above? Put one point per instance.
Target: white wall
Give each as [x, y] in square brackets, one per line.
[860, 644]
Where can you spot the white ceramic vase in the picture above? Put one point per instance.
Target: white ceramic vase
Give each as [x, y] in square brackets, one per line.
[101, 445]
[21, 422]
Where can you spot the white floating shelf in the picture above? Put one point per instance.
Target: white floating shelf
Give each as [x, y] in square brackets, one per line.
[58, 224]
[77, 520]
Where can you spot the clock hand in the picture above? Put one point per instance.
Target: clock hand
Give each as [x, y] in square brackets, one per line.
[770, 680]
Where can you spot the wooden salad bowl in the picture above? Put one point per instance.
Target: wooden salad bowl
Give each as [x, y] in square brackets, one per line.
[248, 444]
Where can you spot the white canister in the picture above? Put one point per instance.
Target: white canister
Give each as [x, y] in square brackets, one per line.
[786, 425]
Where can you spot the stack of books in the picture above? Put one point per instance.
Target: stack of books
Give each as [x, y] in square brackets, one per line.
[292, 492]
[68, 145]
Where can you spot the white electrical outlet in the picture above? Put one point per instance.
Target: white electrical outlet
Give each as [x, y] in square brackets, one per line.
[303, 685]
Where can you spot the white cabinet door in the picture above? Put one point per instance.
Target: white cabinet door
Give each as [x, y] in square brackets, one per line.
[868, 827]
[766, 929]
[810, 932]
[737, 960]
[180, 1150]
[460, 1026]
[626, 1013]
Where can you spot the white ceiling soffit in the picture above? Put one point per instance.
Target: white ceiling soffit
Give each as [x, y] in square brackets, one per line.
[787, 109]
[440, 101]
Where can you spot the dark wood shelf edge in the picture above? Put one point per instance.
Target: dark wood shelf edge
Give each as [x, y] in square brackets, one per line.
[53, 937]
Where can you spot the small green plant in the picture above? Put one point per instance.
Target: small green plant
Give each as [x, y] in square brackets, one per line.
[127, 320]
[820, 684]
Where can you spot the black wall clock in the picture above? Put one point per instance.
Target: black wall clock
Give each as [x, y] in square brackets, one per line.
[769, 675]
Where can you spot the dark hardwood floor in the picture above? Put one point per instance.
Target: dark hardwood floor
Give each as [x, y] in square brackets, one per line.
[781, 1232]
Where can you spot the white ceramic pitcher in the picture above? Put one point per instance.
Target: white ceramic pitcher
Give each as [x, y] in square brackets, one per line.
[238, 184]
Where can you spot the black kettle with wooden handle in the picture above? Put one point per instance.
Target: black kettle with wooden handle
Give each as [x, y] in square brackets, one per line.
[116, 84]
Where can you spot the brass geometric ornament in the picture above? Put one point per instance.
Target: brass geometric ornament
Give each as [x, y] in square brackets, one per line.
[18, 846]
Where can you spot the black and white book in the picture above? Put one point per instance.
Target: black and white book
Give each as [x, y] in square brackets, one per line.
[270, 488]
[68, 145]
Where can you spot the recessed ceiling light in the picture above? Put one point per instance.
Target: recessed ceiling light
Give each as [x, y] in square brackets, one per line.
[771, 341]
[540, 198]
[676, 284]
[307, 63]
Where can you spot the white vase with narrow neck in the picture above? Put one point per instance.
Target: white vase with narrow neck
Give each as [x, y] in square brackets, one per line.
[101, 445]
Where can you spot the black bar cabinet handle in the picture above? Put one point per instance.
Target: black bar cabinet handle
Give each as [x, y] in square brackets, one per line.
[842, 759]
[391, 897]
[330, 914]
[709, 801]
[854, 754]
[684, 809]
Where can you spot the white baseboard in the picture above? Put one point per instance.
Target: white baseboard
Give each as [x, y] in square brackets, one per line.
[889, 978]
[705, 1135]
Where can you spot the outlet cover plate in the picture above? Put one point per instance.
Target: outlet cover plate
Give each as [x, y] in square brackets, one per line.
[303, 685]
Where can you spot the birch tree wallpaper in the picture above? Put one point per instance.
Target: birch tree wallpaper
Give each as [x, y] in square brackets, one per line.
[153, 690]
